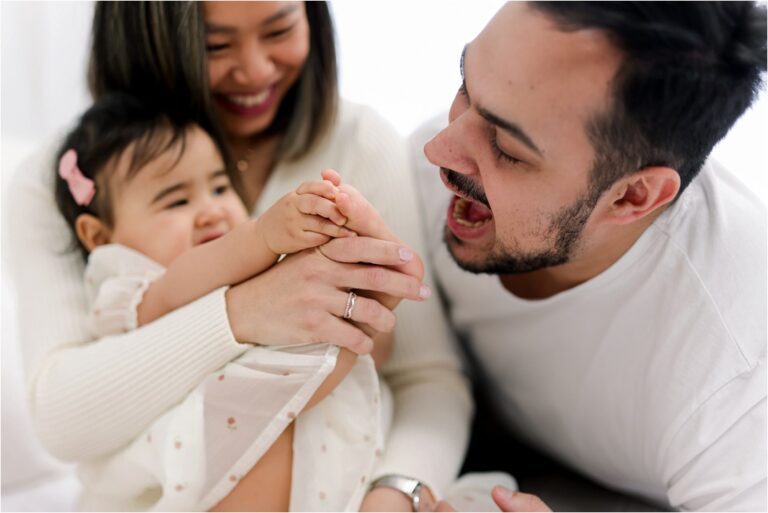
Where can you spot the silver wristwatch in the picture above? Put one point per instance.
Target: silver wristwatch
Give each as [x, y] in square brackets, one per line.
[417, 492]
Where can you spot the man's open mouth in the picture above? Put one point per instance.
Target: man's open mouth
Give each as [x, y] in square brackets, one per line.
[469, 213]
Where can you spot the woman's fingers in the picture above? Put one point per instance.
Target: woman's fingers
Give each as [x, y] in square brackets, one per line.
[343, 334]
[303, 299]
[365, 311]
[380, 279]
[367, 250]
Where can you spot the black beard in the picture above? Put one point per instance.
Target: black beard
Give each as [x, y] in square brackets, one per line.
[565, 228]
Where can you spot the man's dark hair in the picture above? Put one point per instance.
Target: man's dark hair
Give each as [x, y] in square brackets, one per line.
[103, 133]
[690, 71]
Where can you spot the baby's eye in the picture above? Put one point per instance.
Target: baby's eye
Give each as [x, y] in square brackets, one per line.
[178, 203]
[221, 189]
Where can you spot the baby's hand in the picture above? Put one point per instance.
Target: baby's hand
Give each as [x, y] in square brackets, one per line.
[305, 218]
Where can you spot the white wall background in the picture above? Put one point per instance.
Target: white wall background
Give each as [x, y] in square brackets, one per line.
[400, 57]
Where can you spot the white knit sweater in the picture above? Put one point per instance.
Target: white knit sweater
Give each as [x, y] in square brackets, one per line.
[89, 398]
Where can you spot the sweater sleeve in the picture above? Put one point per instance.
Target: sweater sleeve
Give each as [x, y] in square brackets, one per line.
[88, 398]
[432, 405]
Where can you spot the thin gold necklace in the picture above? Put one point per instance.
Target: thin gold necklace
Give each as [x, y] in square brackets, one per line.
[242, 163]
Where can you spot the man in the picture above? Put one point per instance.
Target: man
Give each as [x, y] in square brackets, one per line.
[611, 282]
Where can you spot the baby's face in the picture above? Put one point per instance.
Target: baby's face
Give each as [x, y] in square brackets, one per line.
[170, 206]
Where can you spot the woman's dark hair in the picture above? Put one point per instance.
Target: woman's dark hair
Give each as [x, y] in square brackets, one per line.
[102, 135]
[156, 51]
[690, 70]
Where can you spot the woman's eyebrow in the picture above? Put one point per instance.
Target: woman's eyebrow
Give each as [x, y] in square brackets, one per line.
[285, 11]
[212, 28]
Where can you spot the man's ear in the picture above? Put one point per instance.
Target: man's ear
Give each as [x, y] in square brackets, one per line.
[642, 193]
[91, 231]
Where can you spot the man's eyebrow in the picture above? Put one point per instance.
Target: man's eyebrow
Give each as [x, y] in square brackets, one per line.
[511, 128]
[165, 192]
[212, 28]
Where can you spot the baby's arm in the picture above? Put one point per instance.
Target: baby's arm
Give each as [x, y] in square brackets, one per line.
[228, 260]
[299, 220]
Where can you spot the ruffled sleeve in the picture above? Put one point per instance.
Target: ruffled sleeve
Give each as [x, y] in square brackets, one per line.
[116, 279]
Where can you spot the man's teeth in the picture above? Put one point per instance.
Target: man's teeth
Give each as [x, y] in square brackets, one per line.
[460, 211]
[249, 100]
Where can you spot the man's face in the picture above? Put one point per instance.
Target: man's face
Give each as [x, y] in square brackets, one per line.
[516, 151]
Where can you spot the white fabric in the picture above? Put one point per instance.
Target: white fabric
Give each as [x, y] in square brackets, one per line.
[89, 399]
[649, 377]
[116, 279]
[191, 457]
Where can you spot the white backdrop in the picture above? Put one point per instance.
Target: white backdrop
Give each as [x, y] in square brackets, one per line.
[400, 57]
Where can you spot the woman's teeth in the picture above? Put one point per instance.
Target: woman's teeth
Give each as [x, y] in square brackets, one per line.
[461, 211]
[249, 100]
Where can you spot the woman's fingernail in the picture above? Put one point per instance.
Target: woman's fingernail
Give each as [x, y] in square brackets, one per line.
[406, 255]
[425, 292]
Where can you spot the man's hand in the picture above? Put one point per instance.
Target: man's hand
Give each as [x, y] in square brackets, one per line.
[507, 500]
[385, 499]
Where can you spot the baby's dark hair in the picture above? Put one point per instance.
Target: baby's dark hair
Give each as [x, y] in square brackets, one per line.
[102, 135]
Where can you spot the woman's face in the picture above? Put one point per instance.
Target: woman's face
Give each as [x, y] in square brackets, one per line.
[256, 51]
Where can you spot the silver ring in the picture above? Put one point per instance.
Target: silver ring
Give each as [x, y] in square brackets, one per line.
[351, 300]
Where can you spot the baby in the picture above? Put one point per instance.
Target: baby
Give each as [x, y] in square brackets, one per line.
[153, 208]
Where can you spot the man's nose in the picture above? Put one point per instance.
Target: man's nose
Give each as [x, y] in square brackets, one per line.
[452, 148]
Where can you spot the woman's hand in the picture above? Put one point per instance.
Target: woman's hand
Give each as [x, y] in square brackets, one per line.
[302, 299]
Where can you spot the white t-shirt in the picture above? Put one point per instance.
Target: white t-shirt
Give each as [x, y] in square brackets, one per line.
[650, 377]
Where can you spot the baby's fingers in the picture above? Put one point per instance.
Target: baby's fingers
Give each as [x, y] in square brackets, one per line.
[322, 188]
[332, 176]
[316, 224]
[312, 204]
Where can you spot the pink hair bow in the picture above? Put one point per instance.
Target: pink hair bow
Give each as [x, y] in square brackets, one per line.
[80, 186]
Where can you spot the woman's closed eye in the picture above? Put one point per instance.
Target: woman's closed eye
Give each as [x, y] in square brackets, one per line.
[213, 48]
[276, 34]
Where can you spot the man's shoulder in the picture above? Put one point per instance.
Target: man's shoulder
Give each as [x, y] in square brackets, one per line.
[717, 230]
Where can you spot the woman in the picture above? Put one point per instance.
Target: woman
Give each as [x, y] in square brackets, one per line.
[262, 76]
